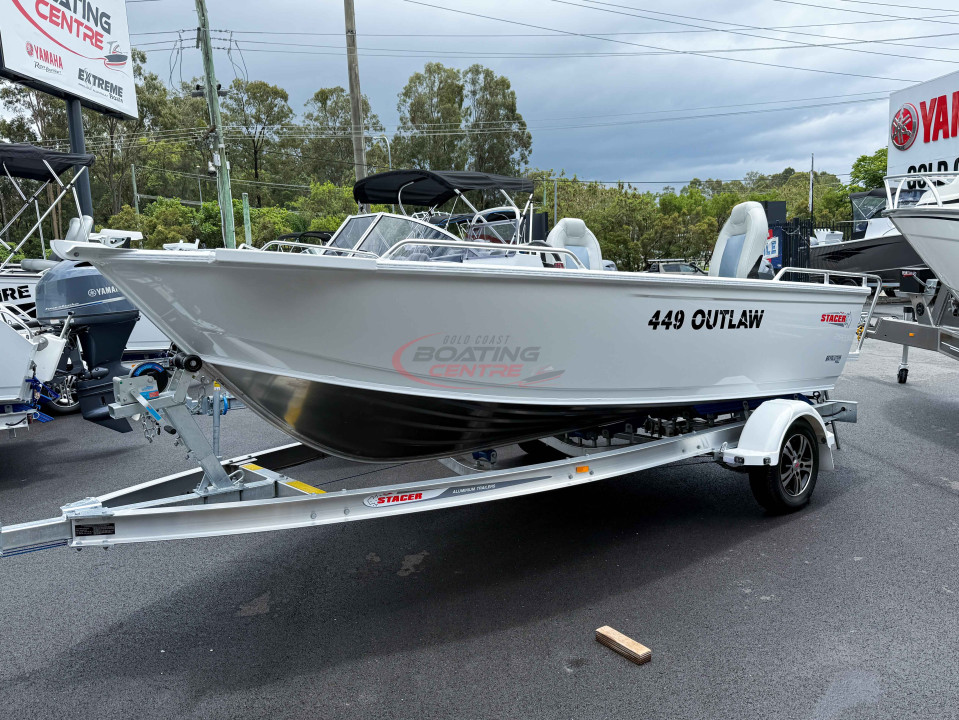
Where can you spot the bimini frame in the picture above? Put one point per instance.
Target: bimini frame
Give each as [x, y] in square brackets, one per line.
[34, 200]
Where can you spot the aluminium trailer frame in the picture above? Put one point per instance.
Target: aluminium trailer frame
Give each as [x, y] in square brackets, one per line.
[248, 494]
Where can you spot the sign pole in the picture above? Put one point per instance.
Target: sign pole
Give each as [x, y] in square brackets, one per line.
[78, 145]
[224, 193]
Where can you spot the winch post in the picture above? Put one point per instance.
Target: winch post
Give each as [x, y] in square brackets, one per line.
[135, 394]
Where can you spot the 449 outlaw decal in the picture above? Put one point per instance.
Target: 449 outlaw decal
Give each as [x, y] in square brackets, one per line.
[707, 319]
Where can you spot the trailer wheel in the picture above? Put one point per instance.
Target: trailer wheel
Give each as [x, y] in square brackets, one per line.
[903, 375]
[65, 386]
[789, 485]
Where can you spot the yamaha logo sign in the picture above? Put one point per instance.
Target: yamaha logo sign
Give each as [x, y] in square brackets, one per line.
[30, 49]
[905, 127]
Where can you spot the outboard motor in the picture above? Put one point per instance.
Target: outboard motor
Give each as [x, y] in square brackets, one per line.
[102, 319]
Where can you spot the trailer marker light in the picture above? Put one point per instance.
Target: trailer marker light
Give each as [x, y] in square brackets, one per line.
[582, 468]
[912, 334]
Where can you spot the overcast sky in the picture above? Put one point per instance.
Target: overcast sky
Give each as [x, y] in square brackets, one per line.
[611, 117]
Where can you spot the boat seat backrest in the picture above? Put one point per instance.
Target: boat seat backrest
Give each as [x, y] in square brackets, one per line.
[741, 242]
[80, 229]
[572, 234]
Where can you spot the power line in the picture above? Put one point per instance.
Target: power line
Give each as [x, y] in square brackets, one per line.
[573, 180]
[866, 12]
[420, 52]
[654, 47]
[197, 176]
[292, 131]
[738, 30]
[555, 35]
[305, 133]
[895, 5]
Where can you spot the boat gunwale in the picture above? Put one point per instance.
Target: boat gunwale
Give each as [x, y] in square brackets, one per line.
[97, 254]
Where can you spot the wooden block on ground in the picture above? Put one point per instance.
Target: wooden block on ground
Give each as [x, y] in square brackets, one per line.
[627, 647]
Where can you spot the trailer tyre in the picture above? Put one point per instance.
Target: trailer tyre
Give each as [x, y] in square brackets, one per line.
[68, 402]
[789, 485]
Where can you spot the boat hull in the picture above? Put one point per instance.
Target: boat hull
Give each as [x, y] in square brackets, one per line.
[382, 360]
[884, 256]
[934, 233]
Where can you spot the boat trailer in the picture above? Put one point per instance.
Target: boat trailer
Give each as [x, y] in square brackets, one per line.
[249, 493]
[929, 322]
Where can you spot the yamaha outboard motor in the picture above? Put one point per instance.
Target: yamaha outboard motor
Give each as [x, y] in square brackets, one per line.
[102, 319]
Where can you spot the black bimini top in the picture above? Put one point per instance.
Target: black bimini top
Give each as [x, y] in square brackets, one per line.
[427, 188]
[875, 192]
[26, 161]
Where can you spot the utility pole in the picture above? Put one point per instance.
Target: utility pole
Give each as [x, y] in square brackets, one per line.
[224, 193]
[555, 201]
[812, 170]
[136, 195]
[356, 97]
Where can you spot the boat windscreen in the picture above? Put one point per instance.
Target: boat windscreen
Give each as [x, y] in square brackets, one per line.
[390, 230]
[502, 231]
[867, 206]
[351, 231]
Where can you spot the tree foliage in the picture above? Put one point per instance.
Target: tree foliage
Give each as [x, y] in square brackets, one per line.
[257, 111]
[299, 169]
[868, 171]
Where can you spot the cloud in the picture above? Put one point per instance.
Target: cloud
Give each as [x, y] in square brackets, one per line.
[576, 92]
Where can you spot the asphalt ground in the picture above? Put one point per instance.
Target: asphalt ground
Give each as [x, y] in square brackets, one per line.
[847, 609]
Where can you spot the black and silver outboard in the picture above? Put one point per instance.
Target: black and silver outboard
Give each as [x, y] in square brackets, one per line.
[102, 320]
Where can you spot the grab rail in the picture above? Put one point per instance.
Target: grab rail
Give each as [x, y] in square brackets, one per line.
[322, 249]
[866, 277]
[12, 314]
[892, 203]
[507, 247]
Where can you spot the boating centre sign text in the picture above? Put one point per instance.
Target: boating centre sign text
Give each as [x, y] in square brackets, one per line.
[78, 48]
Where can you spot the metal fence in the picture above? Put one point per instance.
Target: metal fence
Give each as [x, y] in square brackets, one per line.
[795, 236]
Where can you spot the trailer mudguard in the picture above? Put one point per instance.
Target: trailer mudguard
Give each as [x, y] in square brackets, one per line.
[765, 430]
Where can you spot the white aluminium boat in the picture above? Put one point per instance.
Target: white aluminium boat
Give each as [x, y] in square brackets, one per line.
[932, 225]
[399, 340]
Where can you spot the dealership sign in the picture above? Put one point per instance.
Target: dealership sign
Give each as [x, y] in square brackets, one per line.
[78, 48]
[924, 127]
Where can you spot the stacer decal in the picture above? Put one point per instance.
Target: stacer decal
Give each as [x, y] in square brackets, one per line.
[392, 497]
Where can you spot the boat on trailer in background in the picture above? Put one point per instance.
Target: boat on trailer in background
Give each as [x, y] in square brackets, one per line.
[931, 225]
[19, 282]
[876, 246]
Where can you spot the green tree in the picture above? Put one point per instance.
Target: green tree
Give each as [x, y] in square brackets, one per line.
[431, 120]
[330, 159]
[497, 140]
[868, 171]
[257, 111]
